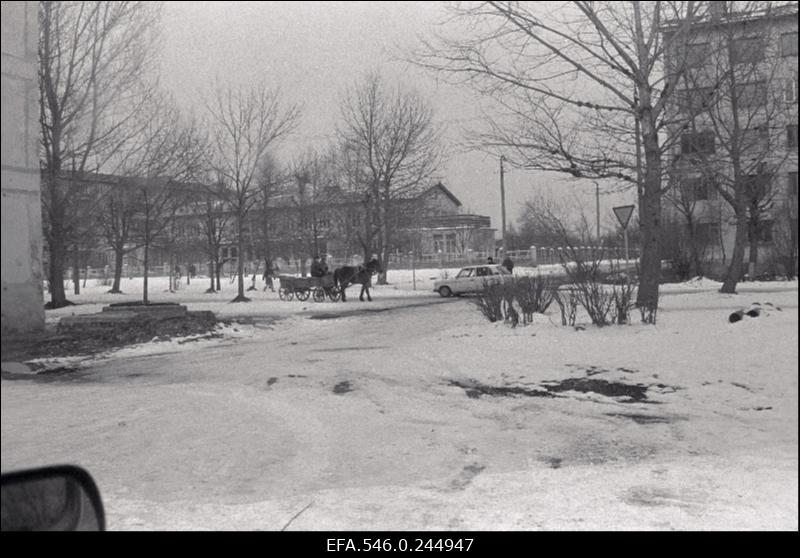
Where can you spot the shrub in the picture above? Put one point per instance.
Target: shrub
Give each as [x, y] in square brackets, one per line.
[490, 301]
[623, 302]
[568, 304]
[606, 304]
[533, 294]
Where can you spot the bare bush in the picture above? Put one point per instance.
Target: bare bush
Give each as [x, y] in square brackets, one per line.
[606, 299]
[490, 301]
[568, 304]
[533, 295]
[623, 303]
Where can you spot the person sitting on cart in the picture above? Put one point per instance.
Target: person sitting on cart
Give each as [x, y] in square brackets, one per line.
[318, 268]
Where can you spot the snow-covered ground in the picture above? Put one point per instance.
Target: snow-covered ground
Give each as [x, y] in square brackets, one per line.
[419, 414]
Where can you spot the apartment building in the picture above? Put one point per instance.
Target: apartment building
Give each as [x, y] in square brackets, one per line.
[734, 121]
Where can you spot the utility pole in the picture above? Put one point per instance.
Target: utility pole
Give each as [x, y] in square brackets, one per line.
[597, 207]
[503, 201]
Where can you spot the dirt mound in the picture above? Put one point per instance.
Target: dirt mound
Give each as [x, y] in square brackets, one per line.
[138, 329]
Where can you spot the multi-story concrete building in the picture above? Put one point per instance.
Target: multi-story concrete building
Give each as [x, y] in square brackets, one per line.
[22, 300]
[734, 121]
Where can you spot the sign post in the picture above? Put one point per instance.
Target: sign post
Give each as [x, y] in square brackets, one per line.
[623, 213]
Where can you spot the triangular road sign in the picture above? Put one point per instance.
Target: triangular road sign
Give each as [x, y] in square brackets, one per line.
[623, 214]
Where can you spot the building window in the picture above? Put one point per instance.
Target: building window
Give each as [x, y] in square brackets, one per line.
[790, 89]
[791, 135]
[700, 188]
[753, 94]
[747, 50]
[698, 142]
[756, 137]
[789, 44]
[696, 101]
[445, 243]
[696, 188]
[757, 186]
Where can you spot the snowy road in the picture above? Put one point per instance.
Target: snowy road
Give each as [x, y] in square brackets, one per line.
[430, 418]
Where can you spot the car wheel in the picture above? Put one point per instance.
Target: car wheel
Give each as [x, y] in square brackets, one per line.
[445, 292]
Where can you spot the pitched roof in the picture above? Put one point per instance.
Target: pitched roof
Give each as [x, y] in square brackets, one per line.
[447, 193]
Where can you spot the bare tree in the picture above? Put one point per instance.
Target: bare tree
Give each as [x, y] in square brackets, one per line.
[161, 200]
[117, 219]
[244, 124]
[214, 211]
[313, 191]
[93, 60]
[394, 151]
[271, 180]
[162, 150]
[582, 90]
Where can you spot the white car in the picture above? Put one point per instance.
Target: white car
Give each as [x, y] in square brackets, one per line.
[471, 279]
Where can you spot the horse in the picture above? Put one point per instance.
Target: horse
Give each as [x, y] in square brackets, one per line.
[345, 276]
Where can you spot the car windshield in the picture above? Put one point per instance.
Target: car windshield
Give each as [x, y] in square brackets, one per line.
[464, 273]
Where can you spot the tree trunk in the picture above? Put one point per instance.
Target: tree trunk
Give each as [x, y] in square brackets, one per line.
[240, 260]
[697, 265]
[76, 275]
[211, 288]
[650, 222]
[752, 228]
[734, 273]
[118, 255]
[146, 258]
[217, 272]
[58, 296]
[173, 277]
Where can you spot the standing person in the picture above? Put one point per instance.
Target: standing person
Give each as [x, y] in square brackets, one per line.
[192, 271]
[373, 264]
[490, 260]
[269, 273]
[177, 281]
[508, 263]
[317, 269]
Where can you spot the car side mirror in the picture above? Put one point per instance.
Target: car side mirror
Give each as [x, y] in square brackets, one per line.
[58, 498]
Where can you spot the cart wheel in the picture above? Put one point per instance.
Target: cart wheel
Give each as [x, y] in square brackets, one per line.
[302, 294]
[333, 294]
[285, 294]
[319, 295]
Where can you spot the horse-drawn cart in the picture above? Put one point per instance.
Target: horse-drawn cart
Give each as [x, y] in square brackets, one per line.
[303, 287]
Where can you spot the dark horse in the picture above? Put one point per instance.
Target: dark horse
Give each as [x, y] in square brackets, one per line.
[349, 275]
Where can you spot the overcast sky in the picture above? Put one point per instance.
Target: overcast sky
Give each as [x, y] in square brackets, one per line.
[313, 51]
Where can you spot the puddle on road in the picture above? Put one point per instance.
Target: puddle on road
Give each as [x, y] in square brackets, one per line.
[342, 387]
[645, 419]
[474, 390]
[335, 349]
[628, 393]
[636, 392]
